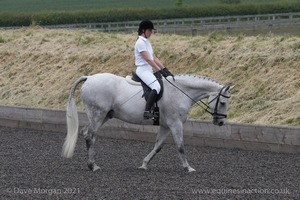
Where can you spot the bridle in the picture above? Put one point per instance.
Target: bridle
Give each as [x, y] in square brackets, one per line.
[205, 107]
[215, 114]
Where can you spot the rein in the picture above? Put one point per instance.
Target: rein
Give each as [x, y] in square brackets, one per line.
[215, 113]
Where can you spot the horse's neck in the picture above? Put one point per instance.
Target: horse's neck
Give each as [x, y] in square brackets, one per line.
[197, 87]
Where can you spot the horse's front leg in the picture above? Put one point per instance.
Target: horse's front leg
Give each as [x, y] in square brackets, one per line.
[177, 132]
[89, 136]
[161, 137]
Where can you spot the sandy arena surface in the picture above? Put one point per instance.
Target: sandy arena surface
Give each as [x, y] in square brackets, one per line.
[32, 168]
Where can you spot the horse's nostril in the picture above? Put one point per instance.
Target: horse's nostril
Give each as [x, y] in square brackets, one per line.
[221, 123]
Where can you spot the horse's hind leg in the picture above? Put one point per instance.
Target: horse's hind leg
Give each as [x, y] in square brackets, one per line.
[89, 132]
[90, 138]
[161, 137]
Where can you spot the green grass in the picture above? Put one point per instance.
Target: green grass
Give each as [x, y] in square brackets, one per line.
[71, 5]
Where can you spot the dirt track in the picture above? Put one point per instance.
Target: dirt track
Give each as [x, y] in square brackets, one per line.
[32, 168]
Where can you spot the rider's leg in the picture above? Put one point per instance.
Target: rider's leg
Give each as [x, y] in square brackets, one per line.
[150, 101]
[150, 80]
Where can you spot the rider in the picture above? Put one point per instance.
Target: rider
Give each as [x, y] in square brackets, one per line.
[146, 62]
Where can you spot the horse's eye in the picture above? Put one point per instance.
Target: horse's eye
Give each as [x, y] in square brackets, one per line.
[223, 101]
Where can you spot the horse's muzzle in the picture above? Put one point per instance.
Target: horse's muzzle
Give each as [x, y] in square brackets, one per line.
[219, 122]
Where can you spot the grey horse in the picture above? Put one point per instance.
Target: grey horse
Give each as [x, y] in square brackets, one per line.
[108, 96]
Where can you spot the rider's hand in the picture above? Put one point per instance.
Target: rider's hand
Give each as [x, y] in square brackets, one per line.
[168, 72]
[164, 73]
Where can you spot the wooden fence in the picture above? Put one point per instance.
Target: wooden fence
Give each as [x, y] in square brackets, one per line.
[287, 22]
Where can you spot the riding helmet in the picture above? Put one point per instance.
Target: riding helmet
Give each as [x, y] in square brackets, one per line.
[144, 25]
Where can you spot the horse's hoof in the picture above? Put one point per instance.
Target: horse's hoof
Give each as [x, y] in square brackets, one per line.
[189, 169]
[93, 167]
[96, 168]
[143, 167]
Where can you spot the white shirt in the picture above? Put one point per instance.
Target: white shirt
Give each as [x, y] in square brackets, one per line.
[142, 44]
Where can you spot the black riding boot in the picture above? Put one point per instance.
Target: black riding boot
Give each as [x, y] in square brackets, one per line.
[150, 101]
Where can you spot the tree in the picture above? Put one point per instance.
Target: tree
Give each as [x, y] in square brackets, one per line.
[230, 1]
[179, 3]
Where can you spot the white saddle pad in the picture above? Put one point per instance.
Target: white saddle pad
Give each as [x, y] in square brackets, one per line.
[130, 81]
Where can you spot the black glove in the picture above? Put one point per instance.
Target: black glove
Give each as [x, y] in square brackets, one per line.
[168, 72]
[164, 73]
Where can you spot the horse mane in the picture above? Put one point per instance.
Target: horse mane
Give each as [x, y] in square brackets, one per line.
[193, 80]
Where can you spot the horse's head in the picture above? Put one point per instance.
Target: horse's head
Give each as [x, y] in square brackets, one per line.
[218, 103]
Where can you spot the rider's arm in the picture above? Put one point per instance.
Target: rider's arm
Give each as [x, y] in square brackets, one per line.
[151, 62]
[157, 61]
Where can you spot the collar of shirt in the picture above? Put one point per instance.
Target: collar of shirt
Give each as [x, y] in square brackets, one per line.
[143, 38]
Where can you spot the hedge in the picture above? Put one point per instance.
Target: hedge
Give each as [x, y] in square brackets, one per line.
[97, 16]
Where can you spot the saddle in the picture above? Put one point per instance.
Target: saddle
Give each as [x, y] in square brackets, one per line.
[147, 91]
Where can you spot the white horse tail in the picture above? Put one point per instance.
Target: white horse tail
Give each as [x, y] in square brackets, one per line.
[72, 122]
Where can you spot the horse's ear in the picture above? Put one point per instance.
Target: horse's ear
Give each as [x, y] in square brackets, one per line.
[229, 88]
